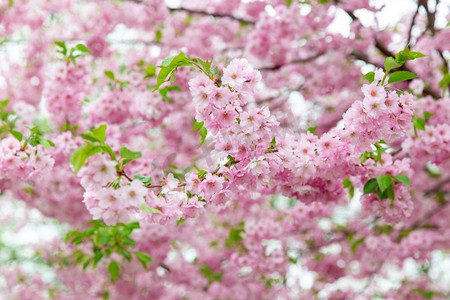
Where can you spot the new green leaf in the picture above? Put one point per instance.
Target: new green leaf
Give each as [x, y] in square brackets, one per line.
[150, 210]
[110, 75]
[403, 179]
[401, 76]
[113, 269]
[144, 258]
[370, 186]
[128, 155]
[390, 63]
[370, 76]
[384, 181]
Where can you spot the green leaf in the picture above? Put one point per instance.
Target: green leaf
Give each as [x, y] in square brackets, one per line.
[79, 157]
[150, 210]
[370, 76]
[63, 47]
[370, 186]
[413, 55]
[86, 263]
[235, 235]
[406, 55]
[389, 193]
[384, 181]
[356, 243]
[427, 115]
[150, 71]
[96, 134]
[167, 89]
[97, 257]
[288, 3]
[403, 179]
[273, 143]
[201, 174]
[312, 129]
[113, 269]
[212, 276]
[180, 220]
[419, 123]
[144, 258]
[4, 104]
[197, 125]
[203, 133]
[169, 66]
[128, 155]
[110, 75]
[213, 71]
[107, 148]
[158, 35]
[347, 183]
[401, 76]
[45, 142]
[445, 81]
[167, 61]
[82, 48]
[390, 63]
[144, 179]
[18, 135]
[426, 294]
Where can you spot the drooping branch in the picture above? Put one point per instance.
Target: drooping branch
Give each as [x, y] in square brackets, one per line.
[203, 13]
[295, 61]
[215, 15]
[386, 52]
[413, 20]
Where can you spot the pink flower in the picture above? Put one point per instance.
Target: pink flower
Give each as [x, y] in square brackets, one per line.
[234, 74]
[134, 193]
[374, 106]
[373, 91]
[212, 184]
[169, 183]
[9, 145]
[225, 117]
[109, 198]
[379, 75]
[104, 170]
[193, 183]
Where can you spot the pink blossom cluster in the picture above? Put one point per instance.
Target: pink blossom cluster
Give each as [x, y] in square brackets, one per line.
[238, 176]
[65, 93]
[19, 162]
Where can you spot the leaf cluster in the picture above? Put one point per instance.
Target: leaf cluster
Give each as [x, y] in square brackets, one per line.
[200, 127]
[105, 241]
[170, 65]
[383, 185]
[70, 55]
[419, 123]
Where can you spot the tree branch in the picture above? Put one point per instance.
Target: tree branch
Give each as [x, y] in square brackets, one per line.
[412, 24]
[386, 52]
[296, 61]
[215, 15]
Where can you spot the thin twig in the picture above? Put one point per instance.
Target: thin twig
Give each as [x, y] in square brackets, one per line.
[295, 61]
[412, 24]
[215, 15]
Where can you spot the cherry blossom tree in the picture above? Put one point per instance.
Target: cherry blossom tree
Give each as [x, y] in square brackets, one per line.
[215, 149]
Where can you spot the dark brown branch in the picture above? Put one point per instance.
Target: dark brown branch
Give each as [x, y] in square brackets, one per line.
[202, 12]
[431, 16]
[364, 57]
[437, 187]
[386, 52]
[412, 24]
[215, 15]
[296, 61]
